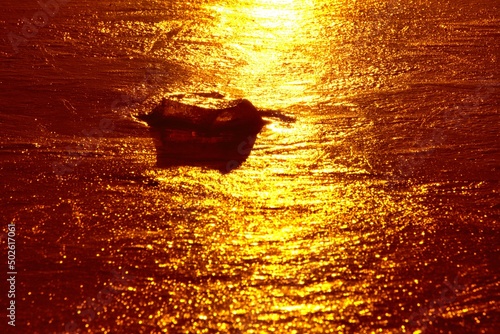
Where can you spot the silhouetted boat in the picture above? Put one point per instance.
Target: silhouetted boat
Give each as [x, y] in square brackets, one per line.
[240, 116]
[219, 138]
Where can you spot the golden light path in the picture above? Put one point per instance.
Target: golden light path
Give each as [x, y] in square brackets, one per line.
[269, 37]
[280, 228]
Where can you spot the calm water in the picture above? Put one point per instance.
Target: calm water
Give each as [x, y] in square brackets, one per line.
[369, 203]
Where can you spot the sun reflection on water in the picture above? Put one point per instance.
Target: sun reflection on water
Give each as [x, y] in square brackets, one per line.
[274, 41]
[299, 237]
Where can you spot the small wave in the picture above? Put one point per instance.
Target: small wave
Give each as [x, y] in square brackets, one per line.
[267, 113]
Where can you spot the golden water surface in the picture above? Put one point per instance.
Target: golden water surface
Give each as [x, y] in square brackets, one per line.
[367, 204]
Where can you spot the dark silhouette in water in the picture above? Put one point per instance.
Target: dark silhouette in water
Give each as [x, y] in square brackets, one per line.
[188, 135]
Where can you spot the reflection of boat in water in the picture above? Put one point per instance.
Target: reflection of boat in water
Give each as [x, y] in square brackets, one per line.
[219, 138]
